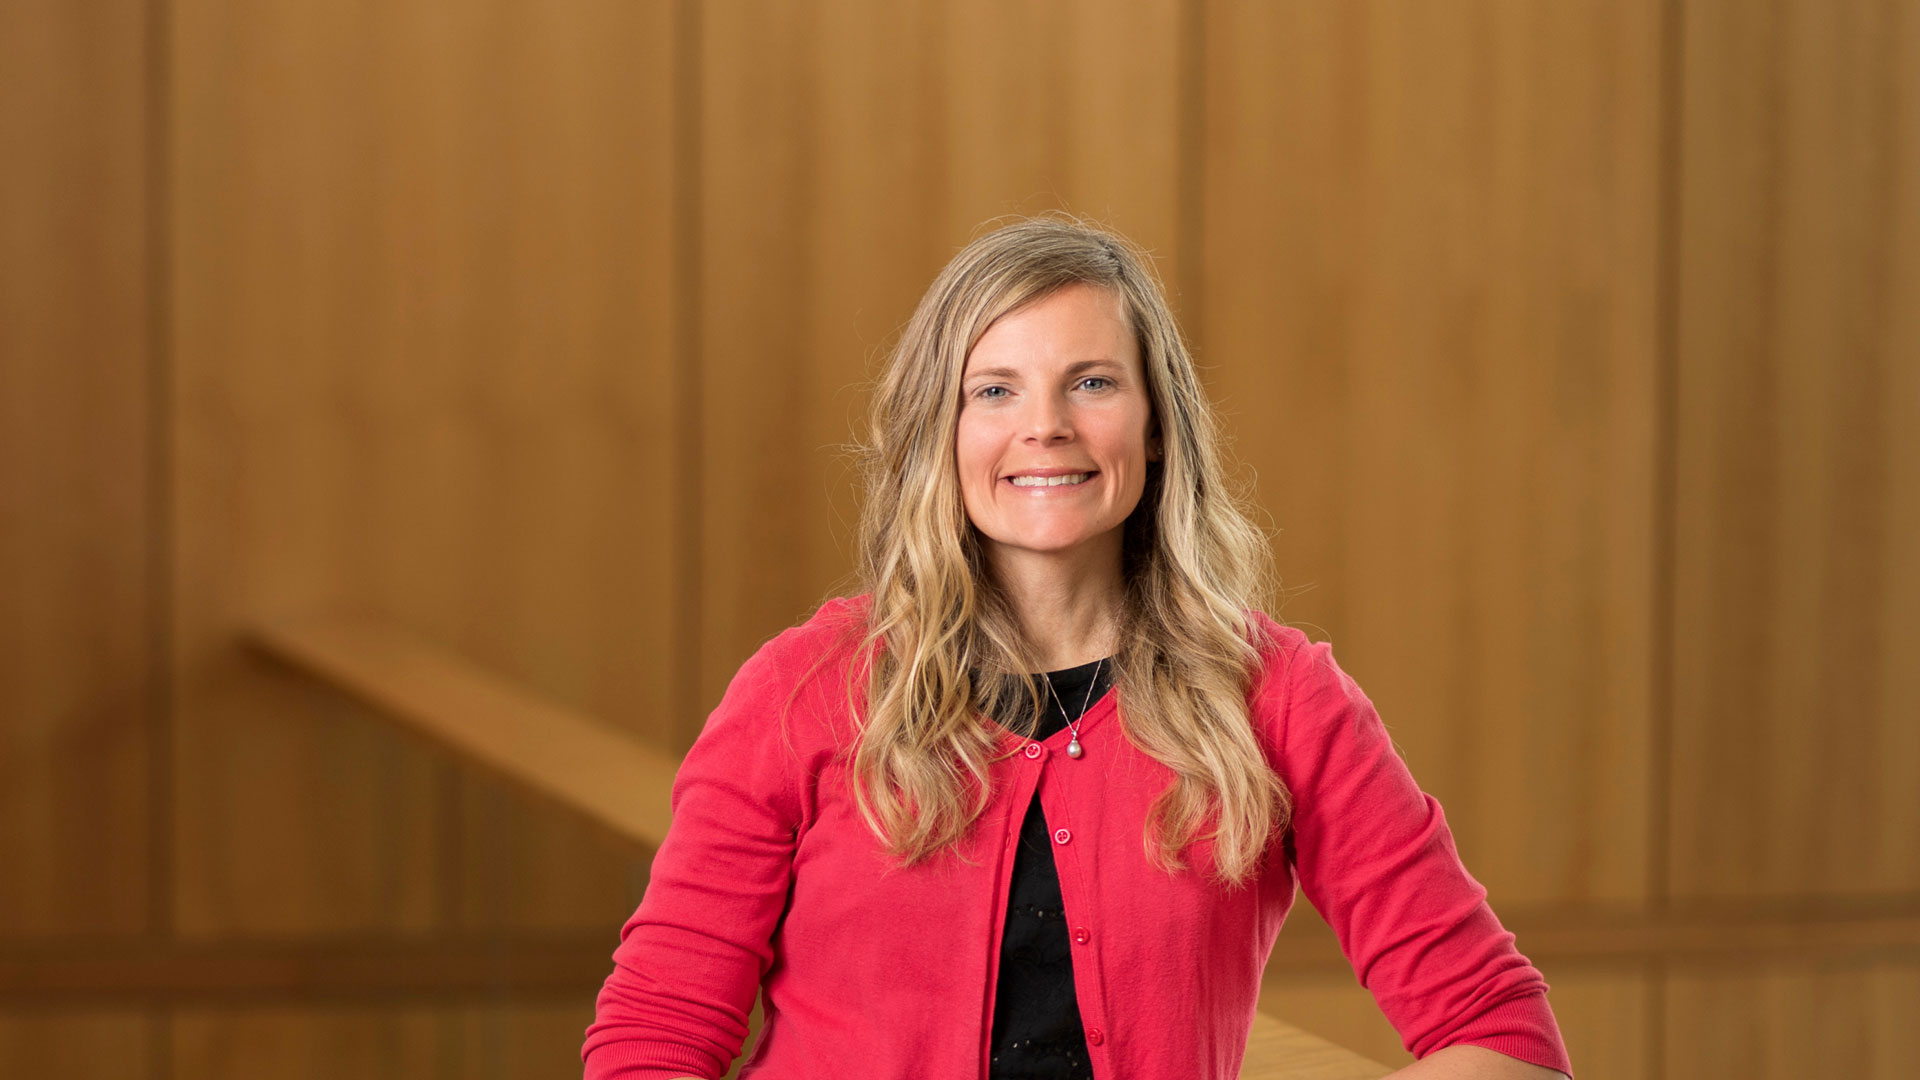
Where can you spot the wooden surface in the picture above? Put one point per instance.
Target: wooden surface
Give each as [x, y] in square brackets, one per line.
[527, 1041]
[590, 767]
[1570, 350]
[1848, 1020]
[1700, 936]
[595, 770]
[78, 549]
[77, 590]
[423, 294]
[1603, 1017]
[1280, 1051]
[849, 150]
[1797, 525]
[161, 975]
[113, 1044]
[1797, 559]
[1429, 309]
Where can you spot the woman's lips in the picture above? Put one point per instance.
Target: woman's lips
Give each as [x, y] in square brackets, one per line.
[1051, 484]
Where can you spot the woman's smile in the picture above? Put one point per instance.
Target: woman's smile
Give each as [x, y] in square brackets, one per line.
[1061, 484]
[1052, 439]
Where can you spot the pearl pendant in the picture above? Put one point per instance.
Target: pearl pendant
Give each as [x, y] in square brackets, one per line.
[1073, 749]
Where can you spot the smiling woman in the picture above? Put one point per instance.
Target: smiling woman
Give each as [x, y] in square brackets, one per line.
[1055, 432]
[1035, 802]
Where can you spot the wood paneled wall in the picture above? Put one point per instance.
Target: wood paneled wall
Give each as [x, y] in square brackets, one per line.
[1797, 532]
[423, 368]
[1571, 347]
[848, 150]
[78, 589]
[1429, 282]
[76, 471]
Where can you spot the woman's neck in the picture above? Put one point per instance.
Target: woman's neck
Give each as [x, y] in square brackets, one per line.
[1068, 607]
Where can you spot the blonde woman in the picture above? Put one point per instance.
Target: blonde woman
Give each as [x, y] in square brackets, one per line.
[1035, 802]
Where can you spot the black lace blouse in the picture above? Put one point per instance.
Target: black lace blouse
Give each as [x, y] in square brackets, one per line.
[1037, 1034]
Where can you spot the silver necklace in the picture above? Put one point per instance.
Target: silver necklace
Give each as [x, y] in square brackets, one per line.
[1073, 747]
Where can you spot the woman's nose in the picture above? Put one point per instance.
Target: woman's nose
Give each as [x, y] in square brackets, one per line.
[1048, 419]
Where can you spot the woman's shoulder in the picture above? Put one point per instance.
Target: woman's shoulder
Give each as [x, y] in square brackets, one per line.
[838, 624]
[1278, 644]
[1298, 680]
[810, 654]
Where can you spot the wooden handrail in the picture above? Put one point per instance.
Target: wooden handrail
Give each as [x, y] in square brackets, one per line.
[602, 772]
[1276, 1050]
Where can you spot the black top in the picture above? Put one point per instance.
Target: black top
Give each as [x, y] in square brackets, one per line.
[1037, 1034]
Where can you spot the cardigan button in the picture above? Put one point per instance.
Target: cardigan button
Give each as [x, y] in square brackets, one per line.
[1036, 751]
[1080, 935]
[1061, 836]
[1094, 1037]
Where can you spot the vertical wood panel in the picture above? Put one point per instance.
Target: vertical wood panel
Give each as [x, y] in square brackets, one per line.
[75, 594]
[1777, 1025]
[532, 1041]
[1429, 248]
[1603, 1017]
[849, 151]
[424, 294]
[517, 1041]
[366, 1042]
[62, 1045]
[1796, 754]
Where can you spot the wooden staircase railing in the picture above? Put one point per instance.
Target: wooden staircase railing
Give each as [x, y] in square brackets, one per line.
[604, 773]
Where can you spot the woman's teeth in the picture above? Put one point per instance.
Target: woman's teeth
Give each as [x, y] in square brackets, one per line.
[1050, 481]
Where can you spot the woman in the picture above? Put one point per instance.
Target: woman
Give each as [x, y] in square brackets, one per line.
[939, 865]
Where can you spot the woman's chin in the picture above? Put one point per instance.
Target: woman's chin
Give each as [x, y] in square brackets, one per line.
[1054, 545]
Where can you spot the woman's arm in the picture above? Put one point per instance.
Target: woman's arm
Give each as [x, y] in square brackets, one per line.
[1472, 1063]
[1375, 857]
[691, 958]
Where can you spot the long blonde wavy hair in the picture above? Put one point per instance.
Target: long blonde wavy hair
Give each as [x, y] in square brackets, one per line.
[944, 641]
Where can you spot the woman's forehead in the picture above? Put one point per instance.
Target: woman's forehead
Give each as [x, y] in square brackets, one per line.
[1070, 325]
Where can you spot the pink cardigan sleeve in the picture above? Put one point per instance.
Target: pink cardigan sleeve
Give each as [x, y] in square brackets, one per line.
[1376, 860]
[691, 958]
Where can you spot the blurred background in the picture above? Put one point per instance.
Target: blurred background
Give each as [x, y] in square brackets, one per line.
[1573, 348]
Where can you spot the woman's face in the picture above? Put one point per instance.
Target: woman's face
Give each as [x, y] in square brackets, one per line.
[1054, 427]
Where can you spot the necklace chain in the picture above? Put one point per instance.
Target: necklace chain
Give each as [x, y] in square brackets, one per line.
[1073, 747]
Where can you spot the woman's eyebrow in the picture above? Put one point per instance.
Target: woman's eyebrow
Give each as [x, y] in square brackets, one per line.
[1074, 368]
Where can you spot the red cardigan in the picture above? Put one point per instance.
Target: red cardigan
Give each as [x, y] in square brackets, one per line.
[769, 877]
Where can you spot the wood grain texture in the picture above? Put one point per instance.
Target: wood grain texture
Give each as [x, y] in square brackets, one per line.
[1602, 1017]
[423, 286]
[76, 594]
[1796, 752]
[538, 1040]
[1277, 1050]
[60, 1044]
[375, 1043]
[570, 759]
[439, 353]
[1854, 1021]
[1334, 1007]
[849, 150]
[473, 968]
[523, 1041]
[530, 1041]
[1428, 262]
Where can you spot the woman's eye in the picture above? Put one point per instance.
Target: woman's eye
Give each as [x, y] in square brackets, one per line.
[989, 391]
[1101, 379]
